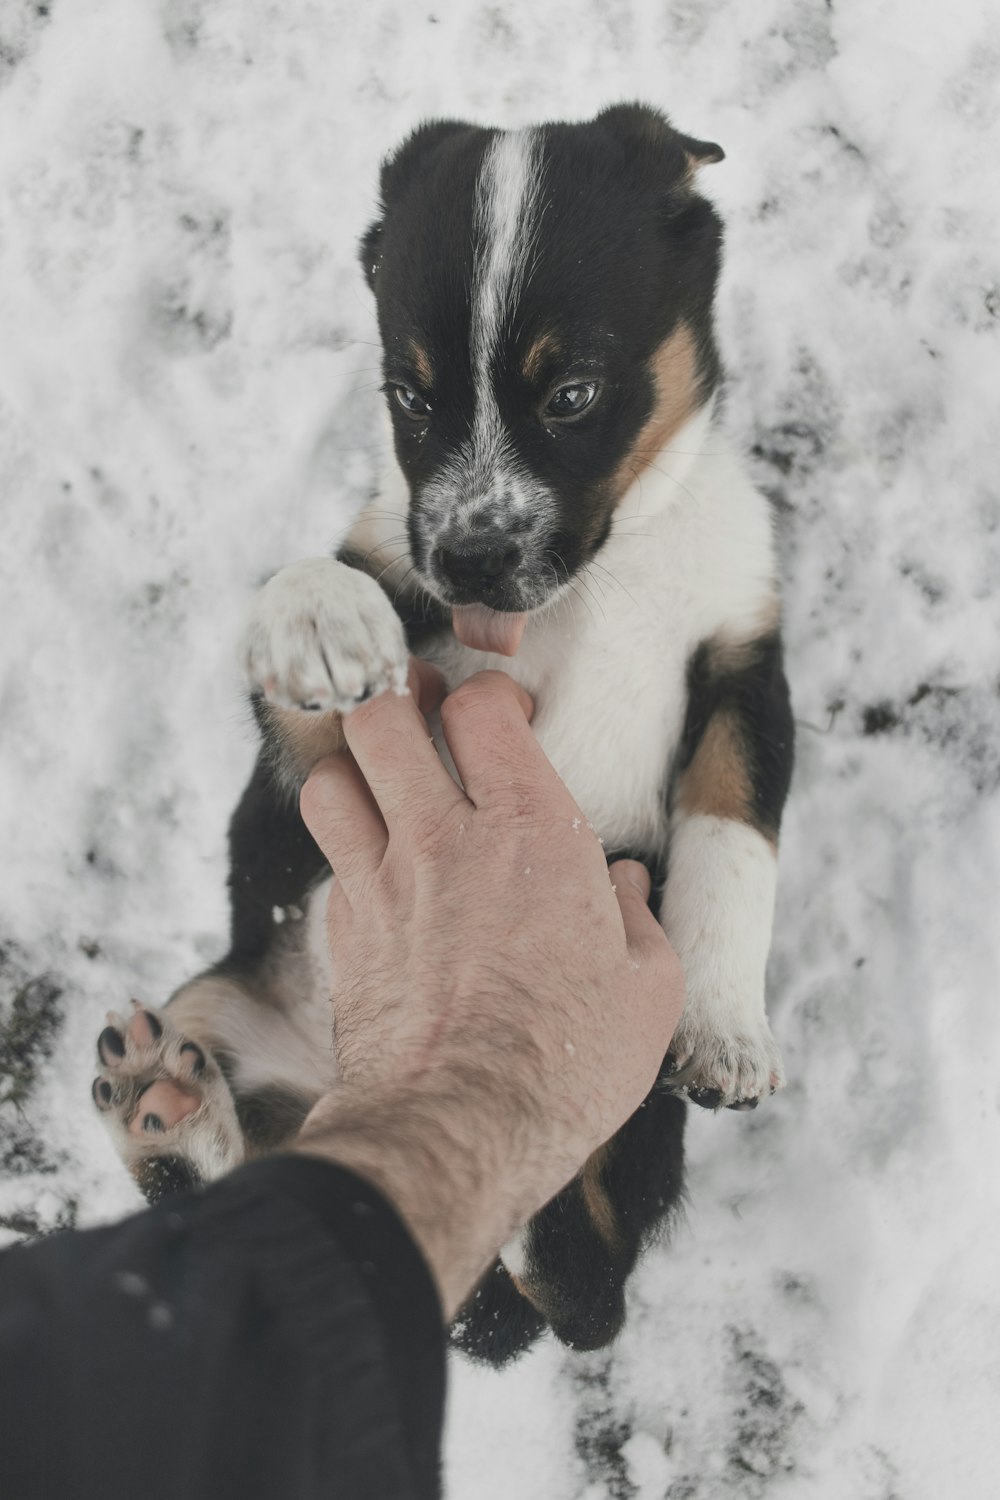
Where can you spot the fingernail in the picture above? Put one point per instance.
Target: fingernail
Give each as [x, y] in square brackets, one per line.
[315, 795]
[635, 873]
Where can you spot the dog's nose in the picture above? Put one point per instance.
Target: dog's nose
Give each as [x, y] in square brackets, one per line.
[477, 562]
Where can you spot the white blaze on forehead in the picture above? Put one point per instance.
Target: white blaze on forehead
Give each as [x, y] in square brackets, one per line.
[483, 483]
[508, 197]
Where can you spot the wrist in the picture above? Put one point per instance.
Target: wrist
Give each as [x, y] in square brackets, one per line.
[461, 1184]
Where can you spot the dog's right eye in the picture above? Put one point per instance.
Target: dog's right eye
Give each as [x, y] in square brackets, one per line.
[409, 402]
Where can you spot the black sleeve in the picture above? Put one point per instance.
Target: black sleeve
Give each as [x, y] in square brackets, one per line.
[276, 1335]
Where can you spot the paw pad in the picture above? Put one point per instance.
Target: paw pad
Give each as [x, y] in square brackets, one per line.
[163, 1098]
[151, 1083]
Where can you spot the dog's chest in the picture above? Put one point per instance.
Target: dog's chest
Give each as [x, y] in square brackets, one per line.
[608, 676]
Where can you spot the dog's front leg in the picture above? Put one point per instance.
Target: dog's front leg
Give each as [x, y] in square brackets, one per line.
[718, 905]
[322, 637]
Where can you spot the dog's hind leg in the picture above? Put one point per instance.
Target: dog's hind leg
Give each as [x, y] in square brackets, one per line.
[166, 1101]
[229, 1067]
[570, 1265]
[583, 1246]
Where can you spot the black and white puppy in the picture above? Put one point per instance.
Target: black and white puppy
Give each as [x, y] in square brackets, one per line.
[565, 507]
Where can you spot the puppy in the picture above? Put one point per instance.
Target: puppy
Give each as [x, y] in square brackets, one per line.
[564, 506]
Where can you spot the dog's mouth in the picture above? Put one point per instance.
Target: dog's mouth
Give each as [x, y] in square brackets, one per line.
[485, 629]
[490, 592]
[497, 622]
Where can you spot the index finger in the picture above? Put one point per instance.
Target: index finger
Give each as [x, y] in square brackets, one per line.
[486, 725]
[389, 738]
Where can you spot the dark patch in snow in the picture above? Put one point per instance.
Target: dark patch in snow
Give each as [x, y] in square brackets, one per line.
[798, 1286]
[964, 723]
[802, 42]
[931, 588]
[159, 603]
[30, 1227]
[845, 145]
[184, 329]
[685, 23]
[496, 29]
[30, 1017]
[182, 25]
[191, 312]
[23, 1152]
[790, 449]
[879, 718]
[765, 1415]
[682, 1489]
[21, 23]
[601, 1431]
[789, 446]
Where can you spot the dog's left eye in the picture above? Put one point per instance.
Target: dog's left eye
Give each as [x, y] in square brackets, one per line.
[571, 400]
[408, 401]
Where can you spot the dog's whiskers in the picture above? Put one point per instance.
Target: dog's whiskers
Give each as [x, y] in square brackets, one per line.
[615, 580]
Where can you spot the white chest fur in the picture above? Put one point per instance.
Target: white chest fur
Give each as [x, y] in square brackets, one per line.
[608, 679]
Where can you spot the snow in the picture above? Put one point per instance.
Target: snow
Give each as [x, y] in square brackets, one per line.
[187, 400]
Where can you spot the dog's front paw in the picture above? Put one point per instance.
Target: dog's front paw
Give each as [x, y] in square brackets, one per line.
[719, 1068]
[163, 1096]
[323, 637]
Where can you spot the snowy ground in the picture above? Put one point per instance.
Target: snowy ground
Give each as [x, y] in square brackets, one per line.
[187, 375]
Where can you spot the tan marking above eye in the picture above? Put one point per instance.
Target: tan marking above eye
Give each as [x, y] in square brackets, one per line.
[544, 347]
[674, 368]
[422, 364]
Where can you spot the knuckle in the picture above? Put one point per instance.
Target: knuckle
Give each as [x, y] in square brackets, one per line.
[515, 802]
[482, 696]
[464, 705]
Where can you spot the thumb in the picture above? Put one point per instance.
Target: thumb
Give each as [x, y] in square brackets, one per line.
[647, 941]
[632, 885]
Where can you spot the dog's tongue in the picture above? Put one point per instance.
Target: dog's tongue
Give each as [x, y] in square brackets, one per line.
[487, 629]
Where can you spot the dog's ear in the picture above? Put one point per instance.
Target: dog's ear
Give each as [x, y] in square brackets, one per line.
[651, 134]
[399, 169]
[370, 251]
[409, 159]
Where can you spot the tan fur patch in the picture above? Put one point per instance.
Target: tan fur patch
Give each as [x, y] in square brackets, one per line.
[675, 373]
[525, 1291]
[716, 782]
[546, 346]
[422, 364]
[307, 738]
[595, 1196]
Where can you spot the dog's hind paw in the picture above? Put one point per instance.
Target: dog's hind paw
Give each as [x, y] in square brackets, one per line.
[720, 1070]
[323, 636]
[165, 1102]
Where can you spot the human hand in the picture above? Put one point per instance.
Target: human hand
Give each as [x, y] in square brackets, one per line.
[502, 1006]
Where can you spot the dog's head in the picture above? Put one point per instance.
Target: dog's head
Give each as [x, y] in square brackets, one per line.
[545, 303]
